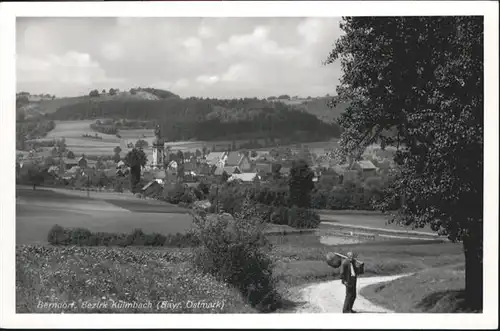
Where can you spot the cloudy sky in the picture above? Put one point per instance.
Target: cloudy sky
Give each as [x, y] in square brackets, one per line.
[205, 57]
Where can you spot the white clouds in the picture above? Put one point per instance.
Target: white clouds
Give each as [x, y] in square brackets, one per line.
[193, 46]
[205, 31]
[208, 80]
[255, 44]
[310, 30]
[237, 72]
[181, 83]
[34, 38]
[69, 68]
[206, 57]
[112, 51]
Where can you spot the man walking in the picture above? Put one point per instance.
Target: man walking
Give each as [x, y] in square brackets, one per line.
[348, 275]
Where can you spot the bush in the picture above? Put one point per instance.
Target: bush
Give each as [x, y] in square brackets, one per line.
[303, 218]
[280, 215]
[84, 237]
[237, 252]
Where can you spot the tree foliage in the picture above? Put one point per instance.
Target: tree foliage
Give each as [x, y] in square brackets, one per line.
[135, 159]
[417, 83]
[300, 184]
[94, 93]
[208, 119]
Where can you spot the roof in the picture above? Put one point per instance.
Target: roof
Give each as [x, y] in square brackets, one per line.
[74, 170]
[109, 172]
[264, 167]
[215, 156]
[120, 164]
[53, 168]
[246, 177]
[148, 185]
[228, 169]
[158, 174]
[284, 170]
[189, 166]
[70, 161]
[366, 165]
[233, 158]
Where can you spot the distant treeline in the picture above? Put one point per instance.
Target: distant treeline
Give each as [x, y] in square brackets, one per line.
[209, 119]
[27, 130]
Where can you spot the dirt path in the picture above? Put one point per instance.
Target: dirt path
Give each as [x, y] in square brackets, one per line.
[328, 297]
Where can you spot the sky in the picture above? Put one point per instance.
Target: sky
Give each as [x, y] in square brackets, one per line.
[202, 57]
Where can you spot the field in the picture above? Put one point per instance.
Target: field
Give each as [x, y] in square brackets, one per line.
[72, 132]
[365, 219]
[82, 273]
[429, 291]
[105, 280]
[37, 211]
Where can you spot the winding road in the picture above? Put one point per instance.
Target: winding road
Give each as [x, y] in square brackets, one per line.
[328, 297]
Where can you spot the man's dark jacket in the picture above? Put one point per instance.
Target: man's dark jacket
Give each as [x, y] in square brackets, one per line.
[345, 272]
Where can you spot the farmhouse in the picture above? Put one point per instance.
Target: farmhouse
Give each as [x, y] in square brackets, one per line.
[240, 160]
[154, 187]
[69, 163]
[216, 158]
[366, 167]
[53, 169]
[264, 168]
[228, 170]
[285, 171]
[244, 177]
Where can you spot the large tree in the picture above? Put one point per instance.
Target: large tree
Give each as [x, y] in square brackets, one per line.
[135, 159]
[417, 83]
[300, 184]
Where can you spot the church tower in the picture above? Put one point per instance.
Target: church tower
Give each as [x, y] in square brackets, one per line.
[158, 150]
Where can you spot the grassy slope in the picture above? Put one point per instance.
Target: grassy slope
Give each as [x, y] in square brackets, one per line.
[319, 107]
[436, 290]
[51, 106]
[101, 275]
[44, 208]
[301, 258]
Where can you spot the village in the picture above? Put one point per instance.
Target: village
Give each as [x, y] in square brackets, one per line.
[165, 168]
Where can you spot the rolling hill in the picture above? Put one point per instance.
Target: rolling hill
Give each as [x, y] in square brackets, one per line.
[318, 107]
[50, 106]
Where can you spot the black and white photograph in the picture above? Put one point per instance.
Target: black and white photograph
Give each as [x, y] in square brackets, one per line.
[299, 167]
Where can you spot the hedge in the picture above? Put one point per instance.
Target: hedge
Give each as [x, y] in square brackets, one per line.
[84, 237]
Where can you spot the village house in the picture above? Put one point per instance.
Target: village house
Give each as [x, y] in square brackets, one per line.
[216, 158]
[228, 170]
[69, 163]
[172, 165]
[263, 168]
[244, 177]
[53, 170]
[285, 171]
[82, 162]
[240, 160]
[154, 187]
[366, 168]
[264, 156]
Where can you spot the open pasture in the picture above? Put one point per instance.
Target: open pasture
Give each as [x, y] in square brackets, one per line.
[364, 219]
[136, 133]
[37, 211]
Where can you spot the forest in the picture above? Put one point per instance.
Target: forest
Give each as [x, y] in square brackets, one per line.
[209, 119]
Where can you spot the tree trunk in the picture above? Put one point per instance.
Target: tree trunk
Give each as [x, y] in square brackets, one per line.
[473, 250]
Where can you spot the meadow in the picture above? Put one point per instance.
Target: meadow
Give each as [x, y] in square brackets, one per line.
[73, 131]
[37, 211]
[82, 274]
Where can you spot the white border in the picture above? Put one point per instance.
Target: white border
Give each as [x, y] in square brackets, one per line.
[8, 318]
